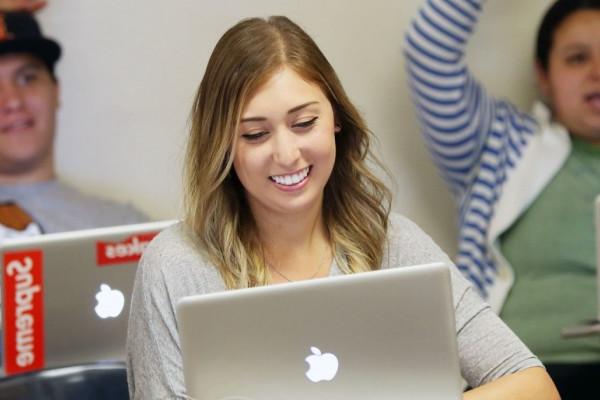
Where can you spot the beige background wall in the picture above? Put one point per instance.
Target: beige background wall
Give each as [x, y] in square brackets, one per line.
[130, 69]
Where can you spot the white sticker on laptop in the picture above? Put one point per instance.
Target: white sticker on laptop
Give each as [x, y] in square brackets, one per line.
[110, 302]
[321, 366]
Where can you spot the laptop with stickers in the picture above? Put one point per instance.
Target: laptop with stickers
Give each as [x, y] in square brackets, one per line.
[379, 335]
[65, 296]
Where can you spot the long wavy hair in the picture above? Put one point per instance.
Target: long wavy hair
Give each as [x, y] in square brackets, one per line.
[356, 203]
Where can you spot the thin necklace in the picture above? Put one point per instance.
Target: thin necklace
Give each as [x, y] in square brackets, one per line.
[319, 266]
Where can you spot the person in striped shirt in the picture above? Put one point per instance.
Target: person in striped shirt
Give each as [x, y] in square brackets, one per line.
[524, 183]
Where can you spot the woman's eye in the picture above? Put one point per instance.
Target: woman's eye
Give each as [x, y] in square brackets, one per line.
[305, 124]
[576, 58]
[254, 136]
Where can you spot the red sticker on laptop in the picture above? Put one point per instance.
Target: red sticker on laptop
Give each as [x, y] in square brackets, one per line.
[23, 311]
[124, 251]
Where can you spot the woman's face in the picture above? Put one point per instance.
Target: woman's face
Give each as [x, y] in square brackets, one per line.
[572, 81]
[285, 150]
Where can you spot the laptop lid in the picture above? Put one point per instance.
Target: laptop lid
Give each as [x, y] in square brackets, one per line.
[598, 256]
[65, 296]
[386, 334]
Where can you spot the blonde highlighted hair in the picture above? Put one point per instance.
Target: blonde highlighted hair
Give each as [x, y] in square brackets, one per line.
[356, 203]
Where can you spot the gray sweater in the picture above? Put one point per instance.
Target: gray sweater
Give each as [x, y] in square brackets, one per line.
[172, 267]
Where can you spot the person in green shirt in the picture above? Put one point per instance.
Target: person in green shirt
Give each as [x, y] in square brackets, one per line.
[524, 183]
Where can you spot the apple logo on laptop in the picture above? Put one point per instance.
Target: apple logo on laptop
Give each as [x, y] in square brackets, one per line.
[321, 367]
[110, 302]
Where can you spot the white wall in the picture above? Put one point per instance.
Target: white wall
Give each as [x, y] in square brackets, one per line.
[130, 69]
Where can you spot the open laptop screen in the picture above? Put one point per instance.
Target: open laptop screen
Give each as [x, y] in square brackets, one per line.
[384, 334]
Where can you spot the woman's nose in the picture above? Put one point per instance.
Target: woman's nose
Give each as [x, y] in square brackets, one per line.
[286, 148]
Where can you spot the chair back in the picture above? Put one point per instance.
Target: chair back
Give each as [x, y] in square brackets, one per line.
[97, 381]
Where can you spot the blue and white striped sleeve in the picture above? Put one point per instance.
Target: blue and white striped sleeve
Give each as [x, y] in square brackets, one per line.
[466, 130]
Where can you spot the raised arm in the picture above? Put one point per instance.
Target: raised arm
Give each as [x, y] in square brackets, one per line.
[462, 124]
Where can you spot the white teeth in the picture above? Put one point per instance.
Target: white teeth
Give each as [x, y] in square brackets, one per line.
[293, 179]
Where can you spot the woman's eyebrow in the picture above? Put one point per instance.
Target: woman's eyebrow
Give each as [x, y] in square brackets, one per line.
[574, 46]
[290, 111]
[301, 106]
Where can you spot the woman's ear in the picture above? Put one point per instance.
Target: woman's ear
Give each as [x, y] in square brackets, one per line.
[337, 128]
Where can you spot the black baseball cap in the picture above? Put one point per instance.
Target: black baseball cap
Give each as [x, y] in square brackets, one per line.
[20, 33]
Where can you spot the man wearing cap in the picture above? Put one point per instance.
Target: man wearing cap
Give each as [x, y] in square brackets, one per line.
[32, 199]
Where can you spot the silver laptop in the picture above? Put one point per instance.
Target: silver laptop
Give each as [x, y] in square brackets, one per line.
[379, 335]
[65, 296]
[591, 327]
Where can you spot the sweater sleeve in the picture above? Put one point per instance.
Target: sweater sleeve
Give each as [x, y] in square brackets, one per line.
[466, 130]
[171, 268]
[154, 365]
[487, 348]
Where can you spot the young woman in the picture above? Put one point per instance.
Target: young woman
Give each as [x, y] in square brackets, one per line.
[525, 183]
[277, 190]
